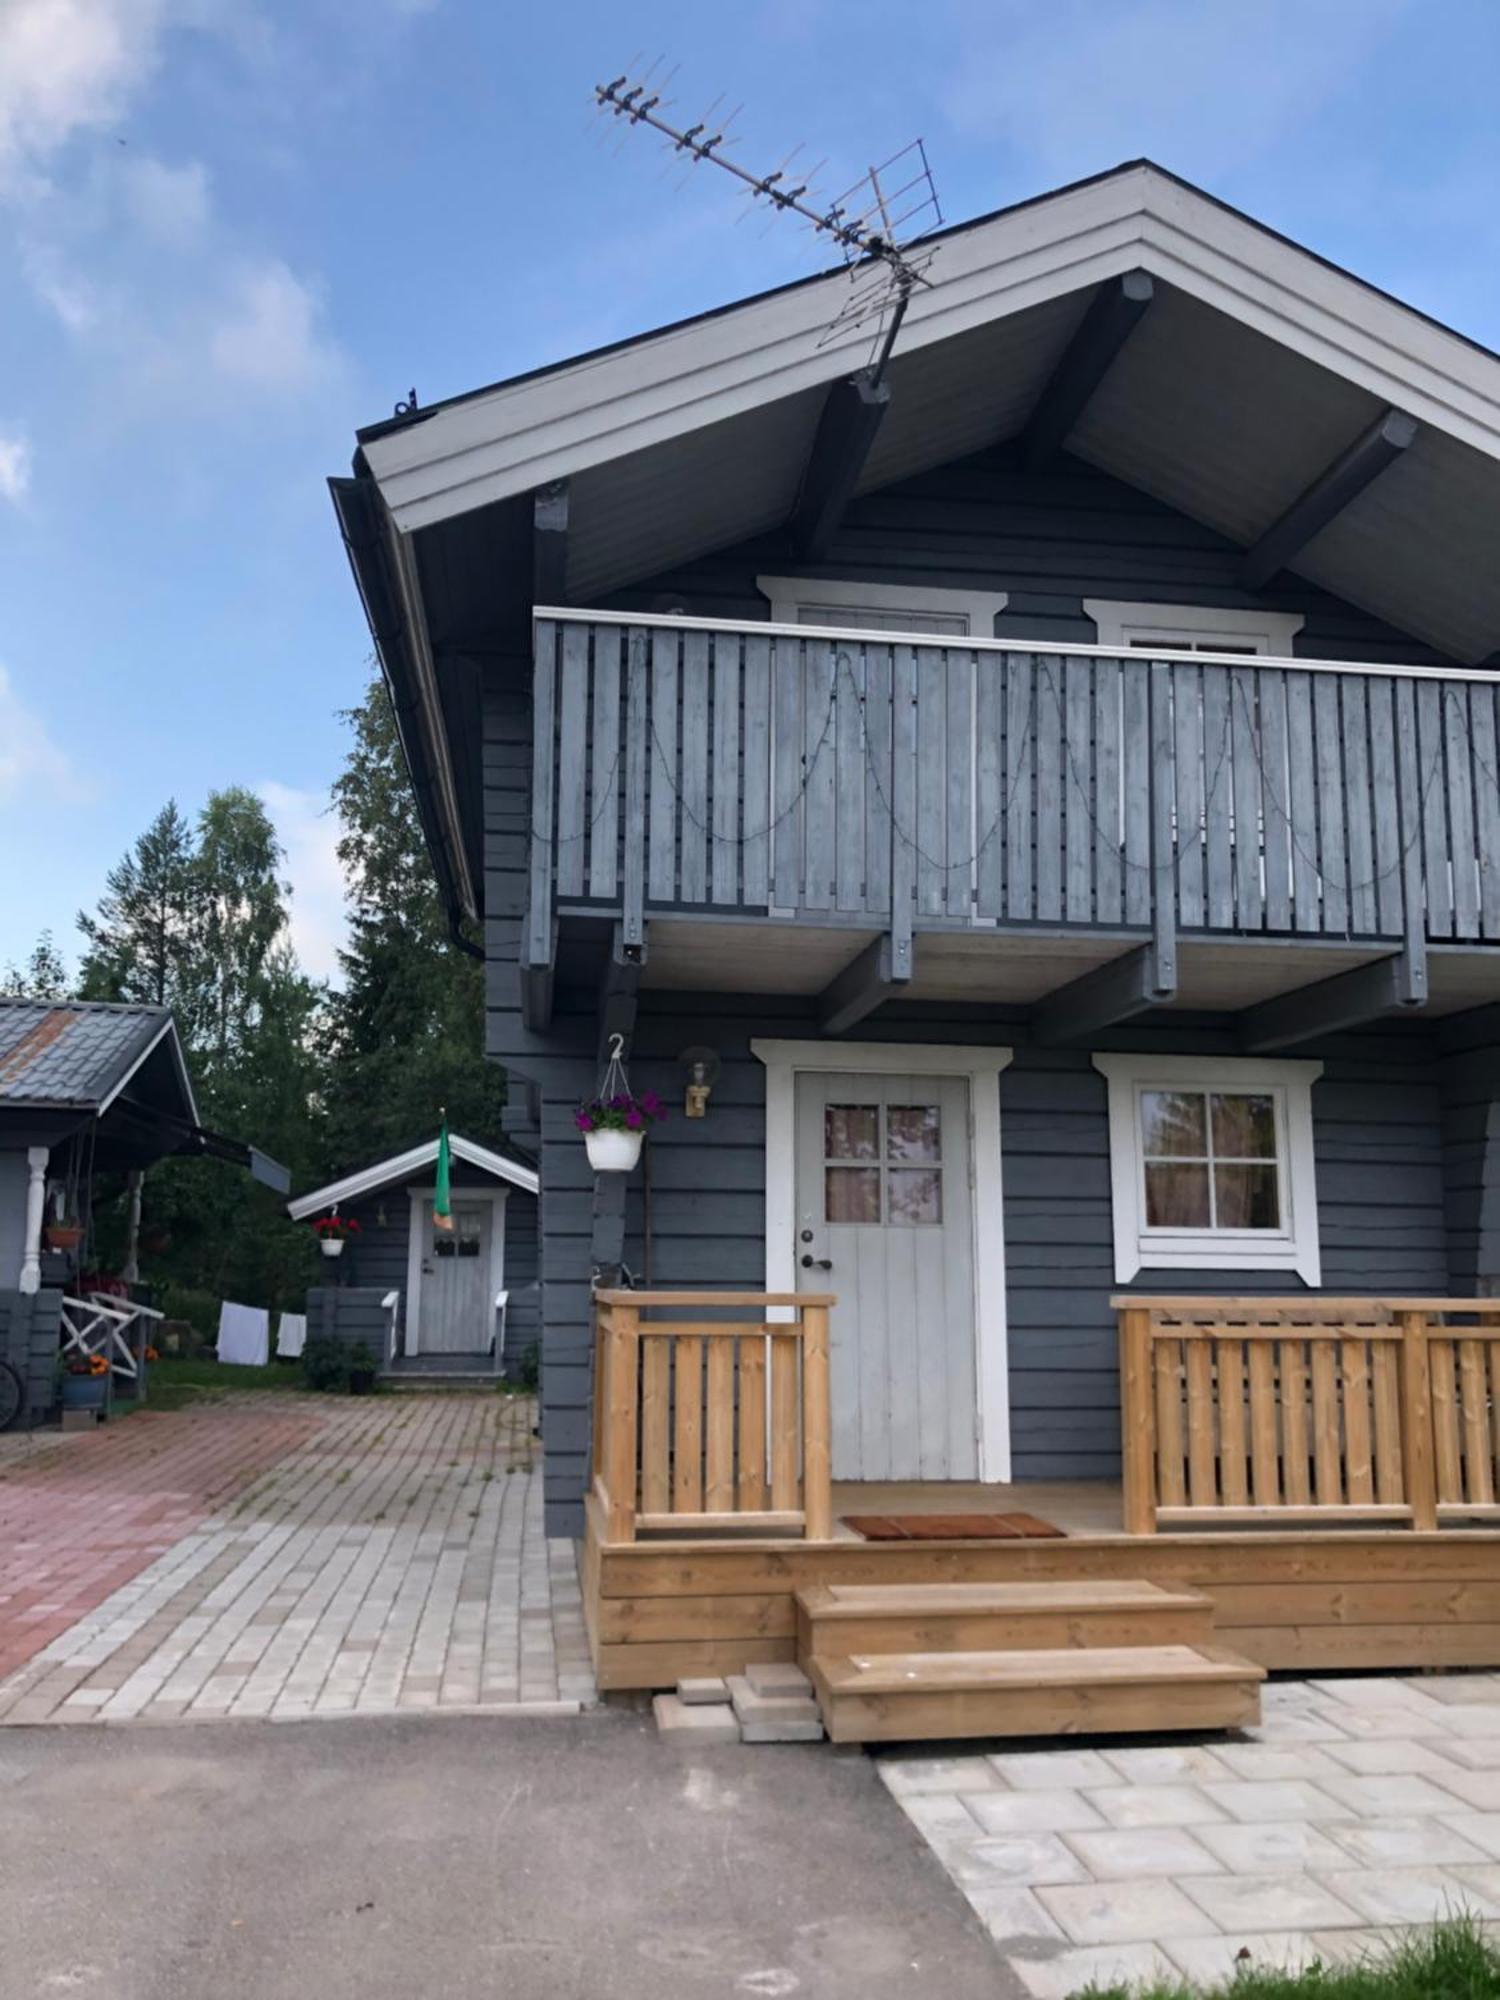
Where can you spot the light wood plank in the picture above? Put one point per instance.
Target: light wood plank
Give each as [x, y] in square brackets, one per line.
[1296, 1483]
[1327, 1428]
[718, 1474]
[1265, 1468]
[687, 1425]
[1229, 1360]
[656, 1433]
[786, 1454]
[1167, 1366]
[753, 1492]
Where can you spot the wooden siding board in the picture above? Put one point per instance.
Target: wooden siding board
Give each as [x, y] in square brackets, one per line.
[1137, 730]
[1364, 911]
[1187, 718]
[1302, 804]
[757, 806]
[1218, 797]
[572, 762]
[694, 826]
[1276, 830]
[661, 872]
[1431, 753]
[725, 770]
[604, 764]
[1020, 752]
[876, 778]
[1457, 739]
[820, 801]
[1108, 801]
[1245, 725]
[1486, 806]
[850, 812]
[786, 828]
[959, 834]
[1048, 727]
[1385, 796]
[1078, 790]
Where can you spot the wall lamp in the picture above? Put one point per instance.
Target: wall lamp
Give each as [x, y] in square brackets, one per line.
[700, 1067]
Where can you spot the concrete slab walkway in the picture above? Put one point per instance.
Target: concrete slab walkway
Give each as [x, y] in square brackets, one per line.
[283, 1556]
[1361, 1805]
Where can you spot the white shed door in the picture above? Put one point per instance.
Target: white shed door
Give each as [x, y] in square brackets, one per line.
[456, 1280]
[884, 1221]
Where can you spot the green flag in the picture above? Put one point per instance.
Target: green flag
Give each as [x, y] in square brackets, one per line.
[442, 1210]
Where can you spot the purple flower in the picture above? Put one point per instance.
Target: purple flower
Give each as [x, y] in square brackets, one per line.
[583, 1121]
[634, 1119]
[650, 1104]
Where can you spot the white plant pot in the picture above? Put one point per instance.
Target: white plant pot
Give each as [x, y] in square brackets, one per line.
[613, 1152]
[333, 1246]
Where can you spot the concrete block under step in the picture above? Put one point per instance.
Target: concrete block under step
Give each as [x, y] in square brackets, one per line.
[778, 1678]
[682, 1722]
[772, 1718]
[805, 1729]
[703, 1690]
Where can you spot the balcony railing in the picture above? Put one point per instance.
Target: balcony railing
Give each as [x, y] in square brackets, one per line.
[851, 776]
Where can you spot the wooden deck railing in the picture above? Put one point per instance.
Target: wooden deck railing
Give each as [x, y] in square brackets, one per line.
[704, 1423]
[1240, 1412]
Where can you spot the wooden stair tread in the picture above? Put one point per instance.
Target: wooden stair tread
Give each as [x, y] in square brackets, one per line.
[1047, 1667]
[828, 1602]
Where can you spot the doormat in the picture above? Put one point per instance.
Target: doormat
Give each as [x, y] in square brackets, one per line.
[953, 1528]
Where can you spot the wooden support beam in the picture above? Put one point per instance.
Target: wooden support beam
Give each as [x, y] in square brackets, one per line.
[1328, 496]
[1099, 999]
[881, 969]
[619, 993]
[1386, 986]
[549, 544]
[851, 415]
[1114, 313]
[537, 970]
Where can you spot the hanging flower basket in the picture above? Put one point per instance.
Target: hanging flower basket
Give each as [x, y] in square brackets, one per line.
[333, 1246]
[333, 1232]
[612, 1152]
[63, 1235]
[615, 1122]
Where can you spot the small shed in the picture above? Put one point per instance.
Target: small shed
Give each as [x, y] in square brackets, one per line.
[458, 1302]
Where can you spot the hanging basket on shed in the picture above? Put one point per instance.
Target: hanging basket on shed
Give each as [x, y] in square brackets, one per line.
[614, 1123]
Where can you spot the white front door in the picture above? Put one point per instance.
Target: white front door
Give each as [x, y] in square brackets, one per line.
[453, 1310]
[884, 1221]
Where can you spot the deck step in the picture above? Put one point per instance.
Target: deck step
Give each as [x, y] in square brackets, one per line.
[1044, 1691]
[846, 1618]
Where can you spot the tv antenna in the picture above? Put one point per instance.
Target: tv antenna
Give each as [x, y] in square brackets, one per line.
[868, 221]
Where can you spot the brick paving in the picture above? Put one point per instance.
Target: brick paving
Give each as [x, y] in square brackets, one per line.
[1359, 1806]
[275, 1556]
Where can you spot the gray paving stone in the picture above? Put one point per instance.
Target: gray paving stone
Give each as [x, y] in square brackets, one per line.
[680, 1722]
[703, 1689]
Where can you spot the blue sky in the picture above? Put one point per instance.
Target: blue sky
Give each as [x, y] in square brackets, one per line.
[232, 230]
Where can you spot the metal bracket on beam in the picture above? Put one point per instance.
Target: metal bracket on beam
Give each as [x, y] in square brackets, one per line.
[1101, 999]
[851, 416]
[1387, 986]
[881, 969]
[1114, 312]
[1328, 496]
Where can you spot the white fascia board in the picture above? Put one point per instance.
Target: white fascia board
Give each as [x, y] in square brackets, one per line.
[524, 435]
[386, 1173]
[167, 1030]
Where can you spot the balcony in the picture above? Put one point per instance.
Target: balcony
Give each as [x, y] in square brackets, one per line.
[832, 781]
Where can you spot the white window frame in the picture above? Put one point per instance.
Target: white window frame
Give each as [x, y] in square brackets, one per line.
[789, 594]
[1293, 1247]
[1192, 627]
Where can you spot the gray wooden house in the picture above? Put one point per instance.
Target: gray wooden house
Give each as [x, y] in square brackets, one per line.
[429, 1301]
[1056, 783]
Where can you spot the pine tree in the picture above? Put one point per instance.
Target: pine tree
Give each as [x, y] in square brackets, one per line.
[143, 939]
[43, 977]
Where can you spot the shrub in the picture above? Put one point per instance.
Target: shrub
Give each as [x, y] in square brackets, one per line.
[326, 1363]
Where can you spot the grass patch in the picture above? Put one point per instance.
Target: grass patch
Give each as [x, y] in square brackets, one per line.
[1451, 1961]
[174, 1382]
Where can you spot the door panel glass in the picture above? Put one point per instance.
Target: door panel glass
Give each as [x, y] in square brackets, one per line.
[852, 1194]
[851, 1132]
[913, 1132]
[915, 1195]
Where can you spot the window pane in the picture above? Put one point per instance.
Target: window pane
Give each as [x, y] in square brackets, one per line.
[1246, 1197]
[1174, 1124]
[913, 1132]
[851, 1132]
[852, 1194]
[1177, 1197]
[1244, 1127]
[916, 1194]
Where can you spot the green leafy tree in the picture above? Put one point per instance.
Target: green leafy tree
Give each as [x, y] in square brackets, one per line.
[143, 940]
[44, 976]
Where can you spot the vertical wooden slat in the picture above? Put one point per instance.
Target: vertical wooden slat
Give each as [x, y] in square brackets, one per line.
[543, 782]
[1327, 728]
[849, 778]
[687, 1425]
[1166, 1358]
[1229, 1358]
[718, 1472]
[756, 790]
[656, 1419]
[1447, 1458]
[1276, 831]
[1385, 1375]
[1358, 805]
[959, 757]
[633, 884]
[1486, 807]
[1296, 1483]
[1265, 1470]
[787, 756]
[604, 762]
[877, 782]
[1020, 751]
[1359, 1484]
[903, 795]
[620, 1420]
[1187, 706]
[693, 831]
[1047, 725]
[1494, 1347]
[1435, 855]
[1137, 761]
[1457, 739]
[1137, 1422]
[1387, 808]
[725, 871]
[1218, 795]
[820, 749]
[1078, 790]
[786, 1451]
[817, 1491]
[1108, 826]
[661, 870]
[989, 784]
[1416, 1421]
[596, 1440]
[1414, 899]
[572, 761]
[1302, 804]
[1479, 1485]
[752, 1414]
[1203, 1481]
[932, 800]
[1245, 726]
[1328, 1467]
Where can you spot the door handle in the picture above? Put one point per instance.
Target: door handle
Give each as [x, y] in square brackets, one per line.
[810, 1263]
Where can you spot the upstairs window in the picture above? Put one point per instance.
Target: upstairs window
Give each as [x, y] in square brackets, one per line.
[920, 609]
[1191, 628]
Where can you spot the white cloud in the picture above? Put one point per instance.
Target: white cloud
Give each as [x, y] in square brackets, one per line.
[170, 203]
[309, 831]
[266, 333]
[15, 468]
[32, 764]
[67, 66]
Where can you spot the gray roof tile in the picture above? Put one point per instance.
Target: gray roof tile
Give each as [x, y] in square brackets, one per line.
[72, 1052]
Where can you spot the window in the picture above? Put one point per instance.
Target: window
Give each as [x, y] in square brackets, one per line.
[1211, 1164]
[883, 1163]
[883, 607]
[1192, 628]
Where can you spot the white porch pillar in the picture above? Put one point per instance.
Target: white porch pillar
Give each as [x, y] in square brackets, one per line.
[36, 1201]
[132, 1270]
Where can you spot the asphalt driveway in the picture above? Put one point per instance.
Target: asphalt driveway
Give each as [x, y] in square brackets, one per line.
[544, 1858]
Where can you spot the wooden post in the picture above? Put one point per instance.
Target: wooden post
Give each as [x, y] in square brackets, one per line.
[1416, 1421]
[817, 1491]
[622, 1357]
[1138, 1422]
[29, 1281]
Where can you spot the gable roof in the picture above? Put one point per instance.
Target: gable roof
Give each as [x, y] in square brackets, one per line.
[80, 1054]
[1258, 365]
[386, 1173]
